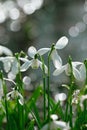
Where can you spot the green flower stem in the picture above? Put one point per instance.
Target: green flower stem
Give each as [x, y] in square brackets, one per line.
[48, 82]
[7, 114]
[20, 115]
[44, 88]
[20, 88]
[44, 98]
[71, 90]
[85, 92]
[48, 89]
[6, 105]
[85, 63]
[66, 111]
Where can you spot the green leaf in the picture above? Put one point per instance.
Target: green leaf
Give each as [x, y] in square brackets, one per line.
[13, 123]
[36, 116]
[30, 125]
[56, 108]
[34, 97]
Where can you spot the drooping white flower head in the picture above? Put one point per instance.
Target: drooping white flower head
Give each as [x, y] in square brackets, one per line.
[60, 97]
[60, 44]
[32, 51]
[15, 94]
[35, 63]
[82, 99]
[54, 117]
[79, 73]
[54, 125]
[10, 65]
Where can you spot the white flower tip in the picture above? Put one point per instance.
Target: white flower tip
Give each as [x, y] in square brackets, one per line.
[64, 39]
[32, 51]
[54, 117]
[62, 42]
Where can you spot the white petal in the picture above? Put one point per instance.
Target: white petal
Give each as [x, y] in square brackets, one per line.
[59, 71]
[7, 62]
[68, 69]
[32, 51]
[82, 72]
[76, 63]
[76, 73]
[54, 117]
[14, 69]
[8, 95]
[42, 51]
[57, 61]
[23, 59]
[9, 80]
[61, 125]
[61, 43]
[21, 99]
[25, 66]
[7, 65]
[35, 64]
[45, 67]
[5, 50]
[60, 97]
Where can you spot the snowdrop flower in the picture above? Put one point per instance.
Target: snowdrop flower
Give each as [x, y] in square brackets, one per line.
[10, 65]
[54, 117]
[54, 125]
[82, 71]
[15, 94]
[60, 97]
[5, 50]
[35, 63]
[60, 44]
[76, 72]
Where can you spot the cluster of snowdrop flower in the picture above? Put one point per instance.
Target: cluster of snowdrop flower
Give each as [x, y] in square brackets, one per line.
[79, 70]
[13, 65]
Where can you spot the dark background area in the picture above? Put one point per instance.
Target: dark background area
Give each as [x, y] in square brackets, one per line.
[45, 26]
